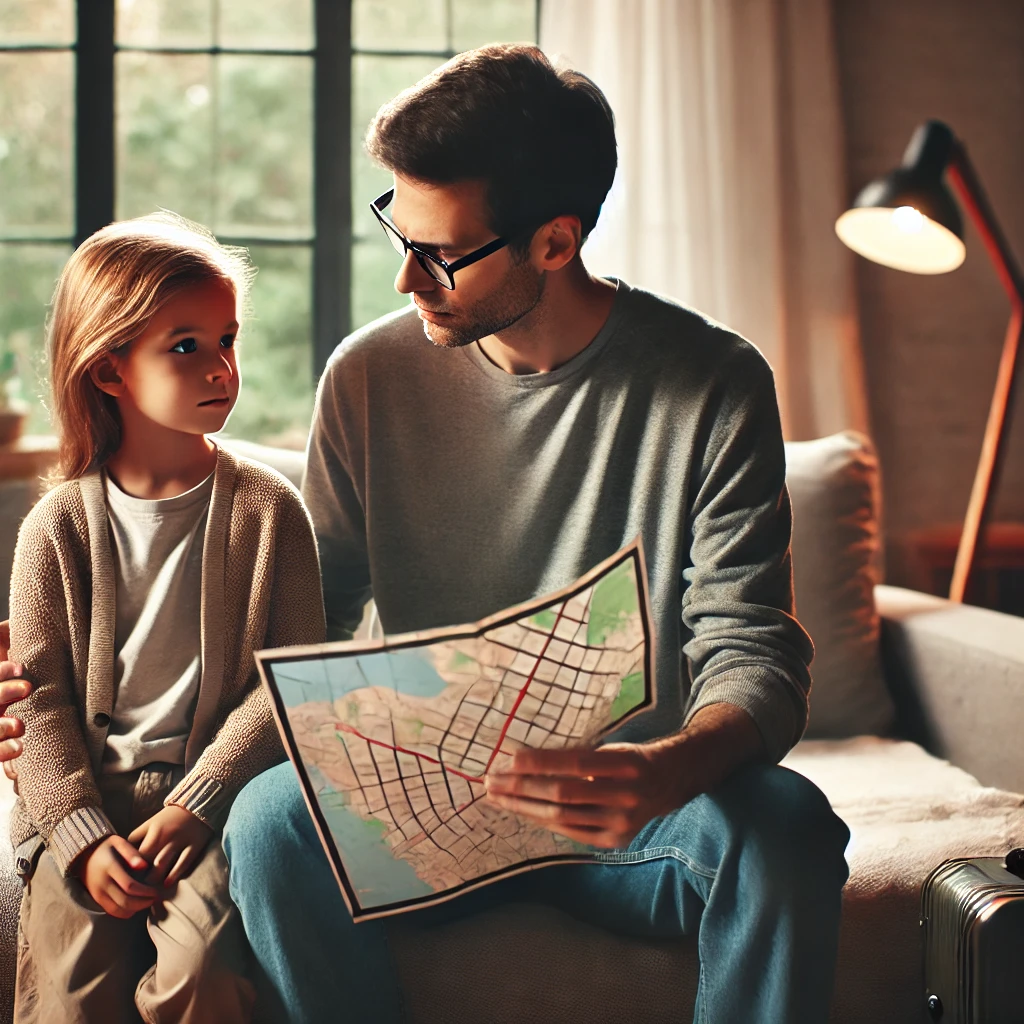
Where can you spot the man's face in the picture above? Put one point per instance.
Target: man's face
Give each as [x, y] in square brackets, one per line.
[450, 221]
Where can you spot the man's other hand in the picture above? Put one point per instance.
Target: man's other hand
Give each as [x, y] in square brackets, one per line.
[12, 688]
[602, 797]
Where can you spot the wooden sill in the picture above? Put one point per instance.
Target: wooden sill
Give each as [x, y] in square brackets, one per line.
[30, 456]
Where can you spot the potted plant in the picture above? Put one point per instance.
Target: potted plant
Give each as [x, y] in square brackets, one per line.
[13, 408]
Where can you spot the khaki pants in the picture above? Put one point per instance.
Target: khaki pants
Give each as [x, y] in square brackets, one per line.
[76, 963]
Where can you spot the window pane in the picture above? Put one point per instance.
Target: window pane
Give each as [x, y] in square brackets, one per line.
[36, 144]
[399, 25]
[265, 146]
[164, 23]
[374, 268]
[267, 25]
[276, 351]
[475, 23]
[43, 22]
[375, 80]
[28, 274]
[177, 115]
[164, 131]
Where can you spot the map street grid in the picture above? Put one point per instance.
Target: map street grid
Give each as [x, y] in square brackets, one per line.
[392, 739]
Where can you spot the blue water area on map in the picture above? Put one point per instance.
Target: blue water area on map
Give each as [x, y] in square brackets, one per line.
[373, 871]
[326, 679]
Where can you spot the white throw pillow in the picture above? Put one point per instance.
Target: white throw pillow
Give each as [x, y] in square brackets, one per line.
[837, 560]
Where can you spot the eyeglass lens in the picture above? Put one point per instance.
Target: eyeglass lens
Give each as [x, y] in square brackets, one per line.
[397, 242]
[435, 270]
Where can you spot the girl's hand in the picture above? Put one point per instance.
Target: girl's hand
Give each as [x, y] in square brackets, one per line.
[172, 841]
[105, 871]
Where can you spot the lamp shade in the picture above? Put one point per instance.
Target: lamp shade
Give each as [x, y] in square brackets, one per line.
[908, 219]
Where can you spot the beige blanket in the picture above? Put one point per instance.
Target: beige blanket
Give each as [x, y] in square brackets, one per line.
[907, 812]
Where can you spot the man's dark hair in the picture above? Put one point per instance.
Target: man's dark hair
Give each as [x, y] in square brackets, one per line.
[542, 139]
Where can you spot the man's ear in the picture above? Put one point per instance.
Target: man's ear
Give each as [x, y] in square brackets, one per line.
[557, 242]
[106, 376]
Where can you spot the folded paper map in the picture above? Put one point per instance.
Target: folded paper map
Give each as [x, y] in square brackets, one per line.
[392, 738]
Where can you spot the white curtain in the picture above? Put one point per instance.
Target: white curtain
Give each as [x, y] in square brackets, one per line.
[730, 177]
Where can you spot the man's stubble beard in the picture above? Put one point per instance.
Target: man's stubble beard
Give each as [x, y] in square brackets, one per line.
[518, 294]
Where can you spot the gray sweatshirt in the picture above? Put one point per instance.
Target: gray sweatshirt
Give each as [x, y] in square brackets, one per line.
[448, 489]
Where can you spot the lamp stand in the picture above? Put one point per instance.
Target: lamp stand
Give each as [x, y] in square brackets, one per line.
[965, 182]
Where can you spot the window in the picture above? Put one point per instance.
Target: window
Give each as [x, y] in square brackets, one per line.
[37, 72]
[246, 117]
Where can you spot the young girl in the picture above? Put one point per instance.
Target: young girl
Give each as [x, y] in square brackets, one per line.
[142, 584]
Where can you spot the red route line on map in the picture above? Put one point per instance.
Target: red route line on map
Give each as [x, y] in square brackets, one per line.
[522, 692]
[344, 727]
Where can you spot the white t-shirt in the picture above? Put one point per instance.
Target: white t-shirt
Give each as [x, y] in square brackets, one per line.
[158, 563]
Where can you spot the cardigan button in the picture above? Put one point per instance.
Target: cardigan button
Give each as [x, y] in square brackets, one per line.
[101, 720]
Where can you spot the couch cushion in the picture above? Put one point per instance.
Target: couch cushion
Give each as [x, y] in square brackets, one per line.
[834, 485]
[531, 964]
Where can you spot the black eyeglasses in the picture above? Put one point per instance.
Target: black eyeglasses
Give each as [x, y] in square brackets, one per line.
[440, 270]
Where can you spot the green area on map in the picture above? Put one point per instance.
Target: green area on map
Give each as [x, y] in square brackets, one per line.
[615, 600]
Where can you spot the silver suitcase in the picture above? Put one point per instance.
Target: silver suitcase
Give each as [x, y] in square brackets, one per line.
[972, 913]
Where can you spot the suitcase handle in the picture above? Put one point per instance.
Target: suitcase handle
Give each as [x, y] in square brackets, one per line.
[1015, 862]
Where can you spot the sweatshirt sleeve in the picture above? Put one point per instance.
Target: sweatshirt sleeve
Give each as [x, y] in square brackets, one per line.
[248, 742]
[330, 493]
[747, 648]
[55, 778]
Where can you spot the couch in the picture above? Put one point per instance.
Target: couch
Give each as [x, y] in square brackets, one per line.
[915, 736]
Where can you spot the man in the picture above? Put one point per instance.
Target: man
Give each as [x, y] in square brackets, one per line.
[552, 417]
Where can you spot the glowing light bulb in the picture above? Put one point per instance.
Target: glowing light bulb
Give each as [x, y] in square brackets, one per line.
[907, 219]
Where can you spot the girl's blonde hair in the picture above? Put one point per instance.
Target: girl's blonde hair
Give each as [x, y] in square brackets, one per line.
[106, 295]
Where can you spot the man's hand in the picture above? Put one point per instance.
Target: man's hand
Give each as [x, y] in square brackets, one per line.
[172, 840]
[12, 688]
[105, 872]
[604, 797]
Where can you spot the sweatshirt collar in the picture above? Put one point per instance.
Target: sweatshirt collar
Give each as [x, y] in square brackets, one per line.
[567, 370]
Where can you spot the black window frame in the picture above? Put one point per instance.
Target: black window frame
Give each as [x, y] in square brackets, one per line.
[94, 173]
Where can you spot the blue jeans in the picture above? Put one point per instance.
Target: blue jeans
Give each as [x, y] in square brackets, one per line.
[754, 869]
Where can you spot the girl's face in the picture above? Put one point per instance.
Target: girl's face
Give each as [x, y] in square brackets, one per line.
[182, 371]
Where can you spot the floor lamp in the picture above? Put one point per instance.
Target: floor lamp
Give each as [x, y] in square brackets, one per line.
[910, 221]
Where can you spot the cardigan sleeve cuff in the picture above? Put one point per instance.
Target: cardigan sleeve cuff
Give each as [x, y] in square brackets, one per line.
[204, 797]
[764, 696]
[82, 828]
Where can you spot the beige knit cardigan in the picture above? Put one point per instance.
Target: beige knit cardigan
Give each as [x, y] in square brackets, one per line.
[260, 588]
